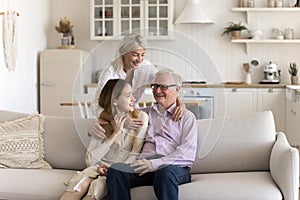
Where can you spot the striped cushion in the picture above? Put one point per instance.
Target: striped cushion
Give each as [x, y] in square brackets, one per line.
[21, 143]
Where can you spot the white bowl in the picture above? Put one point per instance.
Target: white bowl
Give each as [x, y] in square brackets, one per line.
[255, 35]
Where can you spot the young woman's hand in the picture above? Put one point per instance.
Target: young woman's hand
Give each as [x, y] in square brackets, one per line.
[133, 123]
[118, 123]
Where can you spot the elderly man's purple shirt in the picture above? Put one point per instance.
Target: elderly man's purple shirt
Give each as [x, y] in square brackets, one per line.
[175, 140]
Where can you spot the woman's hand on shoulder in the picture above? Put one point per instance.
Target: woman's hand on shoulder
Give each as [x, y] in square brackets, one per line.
[179, 110]
[97, 130]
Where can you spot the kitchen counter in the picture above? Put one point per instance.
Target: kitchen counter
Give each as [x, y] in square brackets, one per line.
[243, 85]
[221, 85]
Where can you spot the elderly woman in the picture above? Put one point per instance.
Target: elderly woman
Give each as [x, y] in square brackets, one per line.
[130, 64]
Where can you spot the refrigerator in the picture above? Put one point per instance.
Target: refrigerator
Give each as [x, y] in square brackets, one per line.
[63, 73]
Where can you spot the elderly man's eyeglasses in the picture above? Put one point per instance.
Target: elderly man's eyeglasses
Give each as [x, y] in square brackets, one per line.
[161, 86]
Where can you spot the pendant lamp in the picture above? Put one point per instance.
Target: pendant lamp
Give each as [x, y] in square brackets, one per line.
[193, 14]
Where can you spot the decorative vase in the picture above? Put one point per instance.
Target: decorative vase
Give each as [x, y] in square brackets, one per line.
[65, 40]
[294, 80]
[248, 79]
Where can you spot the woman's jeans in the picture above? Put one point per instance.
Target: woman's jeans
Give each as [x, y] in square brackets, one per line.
[165, 181]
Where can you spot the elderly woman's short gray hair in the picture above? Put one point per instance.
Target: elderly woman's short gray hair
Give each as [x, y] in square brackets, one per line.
[129, 43]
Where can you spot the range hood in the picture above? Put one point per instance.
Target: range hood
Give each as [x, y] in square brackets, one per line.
[193, 14]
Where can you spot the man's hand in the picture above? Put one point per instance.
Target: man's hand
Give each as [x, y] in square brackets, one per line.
[133, 123]
[102, 170]
[97, 130]
[143, 166]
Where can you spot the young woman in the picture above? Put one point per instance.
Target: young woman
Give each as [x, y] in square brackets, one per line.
[120, 145]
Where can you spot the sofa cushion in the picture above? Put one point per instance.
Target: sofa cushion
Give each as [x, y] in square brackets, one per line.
[225, 186]
[10, 115]
[284, 157]
[21, 143]
[33, 184]
[239, 143]
[66, 141]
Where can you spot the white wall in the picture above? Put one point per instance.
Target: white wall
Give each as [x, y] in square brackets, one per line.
[228, 57]
[78, 11]
[36, 28]
[18, 88]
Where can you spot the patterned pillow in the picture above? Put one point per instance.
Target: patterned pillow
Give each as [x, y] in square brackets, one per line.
[21, 143]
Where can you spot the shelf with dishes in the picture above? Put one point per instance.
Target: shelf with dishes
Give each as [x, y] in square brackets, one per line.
[264, 9]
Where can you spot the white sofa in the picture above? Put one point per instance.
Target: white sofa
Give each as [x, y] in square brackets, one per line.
[238, 157]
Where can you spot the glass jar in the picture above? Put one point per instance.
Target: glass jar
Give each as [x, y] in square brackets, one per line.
[279, 3]
[240, 3]
[275, 33]
[271, 3]
[250, 3]
[288, 33]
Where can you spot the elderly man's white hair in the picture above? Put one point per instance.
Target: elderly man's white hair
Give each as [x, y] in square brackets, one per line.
[175, 76]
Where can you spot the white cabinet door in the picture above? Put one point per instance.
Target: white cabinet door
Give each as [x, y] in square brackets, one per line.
[293, 116]
[110, 18]
[58, 70]
[273, 99]
[236, 101]
[158, 18]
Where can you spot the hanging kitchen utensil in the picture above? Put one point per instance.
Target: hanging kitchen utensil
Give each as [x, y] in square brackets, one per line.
[246, 67]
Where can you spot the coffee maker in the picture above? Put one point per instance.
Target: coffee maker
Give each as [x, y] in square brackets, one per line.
[271, 74]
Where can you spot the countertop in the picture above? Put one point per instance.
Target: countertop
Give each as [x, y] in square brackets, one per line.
[222, 85]
[243, 85]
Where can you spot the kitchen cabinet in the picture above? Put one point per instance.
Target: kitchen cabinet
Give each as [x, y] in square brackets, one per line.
[293, 116]
[250, 11]
[60, 70]
[116, 18]
[239, 101]
[273, 99]
[235, 101]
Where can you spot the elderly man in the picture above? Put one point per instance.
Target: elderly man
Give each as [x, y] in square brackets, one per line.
[169, 149]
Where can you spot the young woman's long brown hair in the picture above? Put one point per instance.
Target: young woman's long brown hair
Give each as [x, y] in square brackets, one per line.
[111, 91]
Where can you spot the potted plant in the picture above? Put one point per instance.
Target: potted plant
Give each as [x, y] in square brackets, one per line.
[65, 27]
[293, 71]
[234, 29]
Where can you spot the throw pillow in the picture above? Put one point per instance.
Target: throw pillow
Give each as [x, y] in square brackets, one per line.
[21, 143]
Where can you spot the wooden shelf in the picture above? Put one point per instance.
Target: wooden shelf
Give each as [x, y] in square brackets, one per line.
[264, 41]
[263, 9]
[261, 41]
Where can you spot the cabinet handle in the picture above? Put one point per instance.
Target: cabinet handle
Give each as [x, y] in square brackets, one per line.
[234, 89]
[271, 90]
[48, 83]
[293, 112]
